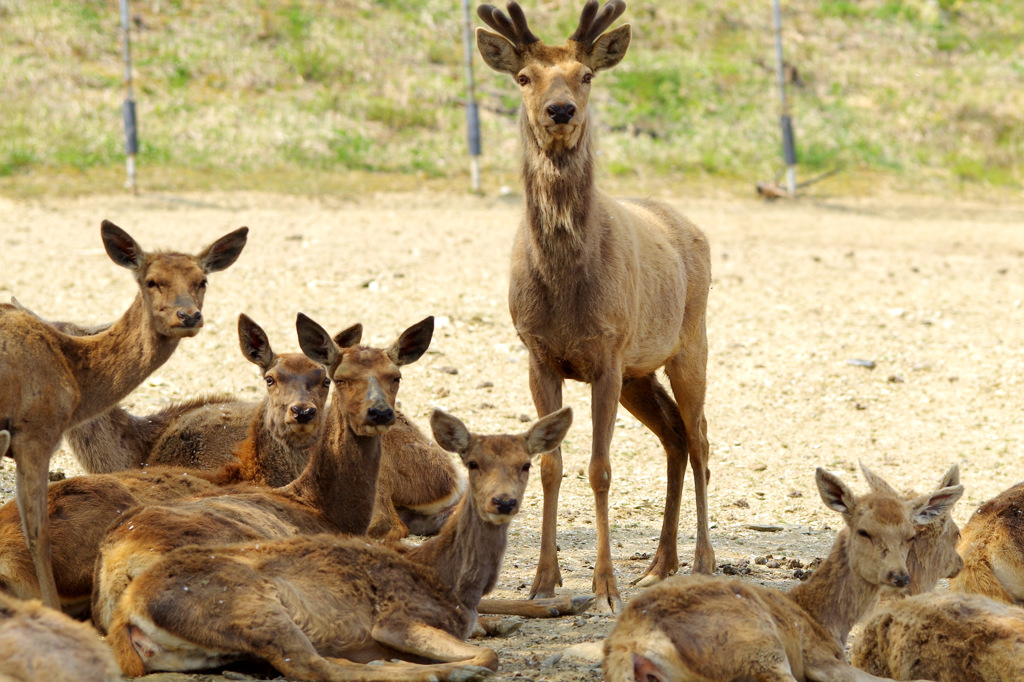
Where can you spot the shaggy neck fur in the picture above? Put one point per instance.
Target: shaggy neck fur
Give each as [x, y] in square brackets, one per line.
[834, 595]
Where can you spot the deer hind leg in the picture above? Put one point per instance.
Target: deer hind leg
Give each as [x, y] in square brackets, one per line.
[32, 460]
[546, 389]
[687, 374]
[433, 644]
[648, 401]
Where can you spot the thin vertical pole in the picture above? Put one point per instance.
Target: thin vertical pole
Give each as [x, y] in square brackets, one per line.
[472, 112]
[131, 137]
[786, 122]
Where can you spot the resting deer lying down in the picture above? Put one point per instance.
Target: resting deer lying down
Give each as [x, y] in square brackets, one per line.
[949, 637]
[418, 487]
[696, 628]
[82, 508]
[37, 643]
[53, 381]
[334, 494]
[317, 607]
[992, 546]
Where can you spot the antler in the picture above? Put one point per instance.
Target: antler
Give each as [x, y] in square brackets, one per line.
[593, 22]
[515, 29]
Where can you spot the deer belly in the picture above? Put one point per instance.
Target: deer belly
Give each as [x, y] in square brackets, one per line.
[161, 650]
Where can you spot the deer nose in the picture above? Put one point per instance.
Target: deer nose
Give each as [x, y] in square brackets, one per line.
[303, 415]
[561, 113]
[899, 579]
[505, 505]
[380, 415]
[192, 320]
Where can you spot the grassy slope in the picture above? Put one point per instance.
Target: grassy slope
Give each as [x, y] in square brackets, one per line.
[313, 95]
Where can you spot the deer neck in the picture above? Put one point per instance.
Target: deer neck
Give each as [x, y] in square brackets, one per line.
[560, 192]
[111, 364]
[113, 441]
[340, 479]
[466, 553]
[835, 596]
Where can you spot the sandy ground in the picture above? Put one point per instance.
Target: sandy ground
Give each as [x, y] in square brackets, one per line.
[928, 290]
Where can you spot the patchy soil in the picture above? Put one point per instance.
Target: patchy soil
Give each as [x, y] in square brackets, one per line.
[926, 294]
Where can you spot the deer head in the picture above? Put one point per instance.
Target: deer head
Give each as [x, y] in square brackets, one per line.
[297, 387]
[554, 80]
[172, 285]
[499, 466]
[366, 380]
[881, 526]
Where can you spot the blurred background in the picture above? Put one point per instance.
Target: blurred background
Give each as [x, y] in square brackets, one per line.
[349, 96]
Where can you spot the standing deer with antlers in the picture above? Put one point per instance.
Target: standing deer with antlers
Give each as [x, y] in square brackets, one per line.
[602, 290]
[52, 381]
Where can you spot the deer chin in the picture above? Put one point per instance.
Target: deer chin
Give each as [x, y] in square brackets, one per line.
[556, 137]
[300, 435]
[369, 430]
[498, 519]
[182, 332]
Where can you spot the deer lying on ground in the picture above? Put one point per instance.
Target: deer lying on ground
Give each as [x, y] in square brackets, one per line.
[334, 494]
[317, 608]
[37, 643]
[83, 507]
[949, 637]
[992, 546]
[704, 628]
[53, 381]
[602, 290]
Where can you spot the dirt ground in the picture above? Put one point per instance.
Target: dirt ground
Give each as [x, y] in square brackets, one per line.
[929, 290]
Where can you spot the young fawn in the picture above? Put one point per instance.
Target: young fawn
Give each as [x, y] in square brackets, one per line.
[83, 507]
[334, 494]
[601, 290]
[53, 381]
[37, 643]
[318, 607]
[698, 628]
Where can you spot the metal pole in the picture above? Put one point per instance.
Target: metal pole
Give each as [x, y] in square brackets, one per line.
[788, 143]
[472, 112]
[131, 137]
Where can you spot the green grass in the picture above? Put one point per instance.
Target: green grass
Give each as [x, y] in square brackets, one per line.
[244, 91]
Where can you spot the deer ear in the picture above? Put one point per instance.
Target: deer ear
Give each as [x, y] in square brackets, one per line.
[254, 343]
[413, 343]
[223, 252]
[450, 433]
[929, 508]
[610, 48]
[349, 337]
[120, 246]
[547, 433]
[316, 343]
[834, 493]
[952, 477]
[498, 52]
[876, 482]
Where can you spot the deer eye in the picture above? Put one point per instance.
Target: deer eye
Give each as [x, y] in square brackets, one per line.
[270, 381]
[202, 285]
[472, 465]
[395, 383]
[151, 283]
[523, 79]
[526, 467]
[587, 77]
[327, 383]
[864, 534]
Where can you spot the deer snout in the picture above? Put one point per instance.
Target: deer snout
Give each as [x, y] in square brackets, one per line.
[505, 505]
[303, 415]
[190, 321]
[380, 415]
[561, 112]
[898, 578]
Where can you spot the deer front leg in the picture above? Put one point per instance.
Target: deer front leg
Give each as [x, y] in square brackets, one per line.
[32, 460]
[546, 388]
[605, 393]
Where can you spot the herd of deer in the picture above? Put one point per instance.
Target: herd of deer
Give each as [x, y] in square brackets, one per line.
[218, 530]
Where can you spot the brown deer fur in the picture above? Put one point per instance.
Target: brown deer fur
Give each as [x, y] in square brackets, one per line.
[602, 290]
[53, 381]
[949, 637]
[82, 508]
[311, 606]
[992, 547]
[694, 628]
[334, 494]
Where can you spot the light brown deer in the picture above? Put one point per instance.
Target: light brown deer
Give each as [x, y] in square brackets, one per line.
[334, 494]
[699, 628]
[318, 607]
[53, 381]
[37, 643]
[602, 290]
[83, 507]
[948, 637]
[992, 546]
